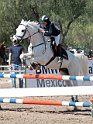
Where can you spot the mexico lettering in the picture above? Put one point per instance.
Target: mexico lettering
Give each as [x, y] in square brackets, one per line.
[49, 83]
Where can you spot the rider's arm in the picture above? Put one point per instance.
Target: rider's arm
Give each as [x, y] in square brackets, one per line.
[53, 30]
[46, 31]
[50, 31]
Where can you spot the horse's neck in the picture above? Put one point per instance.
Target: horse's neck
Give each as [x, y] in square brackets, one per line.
[37, 39]
[40, 52]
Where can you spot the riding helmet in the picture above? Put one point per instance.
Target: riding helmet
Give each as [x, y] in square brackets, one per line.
[45, 18]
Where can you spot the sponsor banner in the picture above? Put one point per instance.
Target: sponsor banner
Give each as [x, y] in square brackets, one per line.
[43, 82]
[54, 83]
[90, 66]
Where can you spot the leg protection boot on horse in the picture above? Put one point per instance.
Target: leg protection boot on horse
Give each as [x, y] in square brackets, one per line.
[35, 66]
[61, 52]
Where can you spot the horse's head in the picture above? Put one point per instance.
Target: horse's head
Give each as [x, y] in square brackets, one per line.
[39, 49]
[26, 29]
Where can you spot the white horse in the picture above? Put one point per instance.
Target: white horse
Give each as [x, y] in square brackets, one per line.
[40, 51]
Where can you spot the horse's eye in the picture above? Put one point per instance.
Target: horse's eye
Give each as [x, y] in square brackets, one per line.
[23, 30]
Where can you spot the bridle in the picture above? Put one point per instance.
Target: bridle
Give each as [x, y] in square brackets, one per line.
[31, 35]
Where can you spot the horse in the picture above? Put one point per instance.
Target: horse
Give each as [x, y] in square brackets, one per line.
[40, 51]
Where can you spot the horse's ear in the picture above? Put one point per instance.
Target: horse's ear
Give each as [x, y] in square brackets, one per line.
[29, 21]
[22, 20]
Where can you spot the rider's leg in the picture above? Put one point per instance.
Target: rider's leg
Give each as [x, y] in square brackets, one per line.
[59, 53]
[57, 40]
[54, 47]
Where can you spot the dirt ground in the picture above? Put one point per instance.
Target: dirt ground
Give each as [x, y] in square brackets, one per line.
[36, 114]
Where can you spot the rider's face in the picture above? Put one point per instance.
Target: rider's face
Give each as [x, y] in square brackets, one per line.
[44, 24]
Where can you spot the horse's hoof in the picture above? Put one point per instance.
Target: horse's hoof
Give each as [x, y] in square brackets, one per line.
[30, 68]
[72, 99]
[76, 100]
[75, 108]
[34, 66]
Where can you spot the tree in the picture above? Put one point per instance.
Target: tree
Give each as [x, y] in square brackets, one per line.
[74, 17]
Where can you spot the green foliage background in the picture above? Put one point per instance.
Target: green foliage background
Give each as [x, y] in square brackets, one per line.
[74, 18]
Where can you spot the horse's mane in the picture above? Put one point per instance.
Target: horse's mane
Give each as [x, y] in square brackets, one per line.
[31, 23]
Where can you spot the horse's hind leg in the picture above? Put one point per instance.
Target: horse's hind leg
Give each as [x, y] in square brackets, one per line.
[69, 83]
[74, 99]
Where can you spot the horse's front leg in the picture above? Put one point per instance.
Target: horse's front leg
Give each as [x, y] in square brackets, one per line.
[26, 58]
[34, 66]
[22, 56]
[26, 55]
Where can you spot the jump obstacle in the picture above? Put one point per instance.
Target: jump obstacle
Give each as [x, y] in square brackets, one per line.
[80, 90]
[44, 102]
[48, 76]
[48, 91]
[7, 71]
[54, 91]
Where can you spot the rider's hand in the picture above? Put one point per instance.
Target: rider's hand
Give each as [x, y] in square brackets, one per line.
[41, 30]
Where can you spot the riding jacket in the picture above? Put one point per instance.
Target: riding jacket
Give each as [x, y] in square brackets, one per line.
[51, 30]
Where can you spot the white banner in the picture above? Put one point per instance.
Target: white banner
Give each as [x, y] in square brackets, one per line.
[54, 83]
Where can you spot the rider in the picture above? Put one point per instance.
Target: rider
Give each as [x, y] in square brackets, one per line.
[49, 29]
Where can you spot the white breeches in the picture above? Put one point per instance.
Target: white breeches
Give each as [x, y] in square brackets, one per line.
[57, 39]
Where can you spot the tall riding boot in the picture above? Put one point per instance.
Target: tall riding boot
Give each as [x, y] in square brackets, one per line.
[54, 47]
[59, 50]
[59, 53]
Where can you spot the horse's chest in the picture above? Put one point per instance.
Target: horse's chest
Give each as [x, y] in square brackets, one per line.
[39, 51]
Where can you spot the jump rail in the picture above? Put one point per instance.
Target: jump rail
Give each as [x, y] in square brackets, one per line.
[48, 76]
[48, 91]
[21, 71]
[45, 102]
